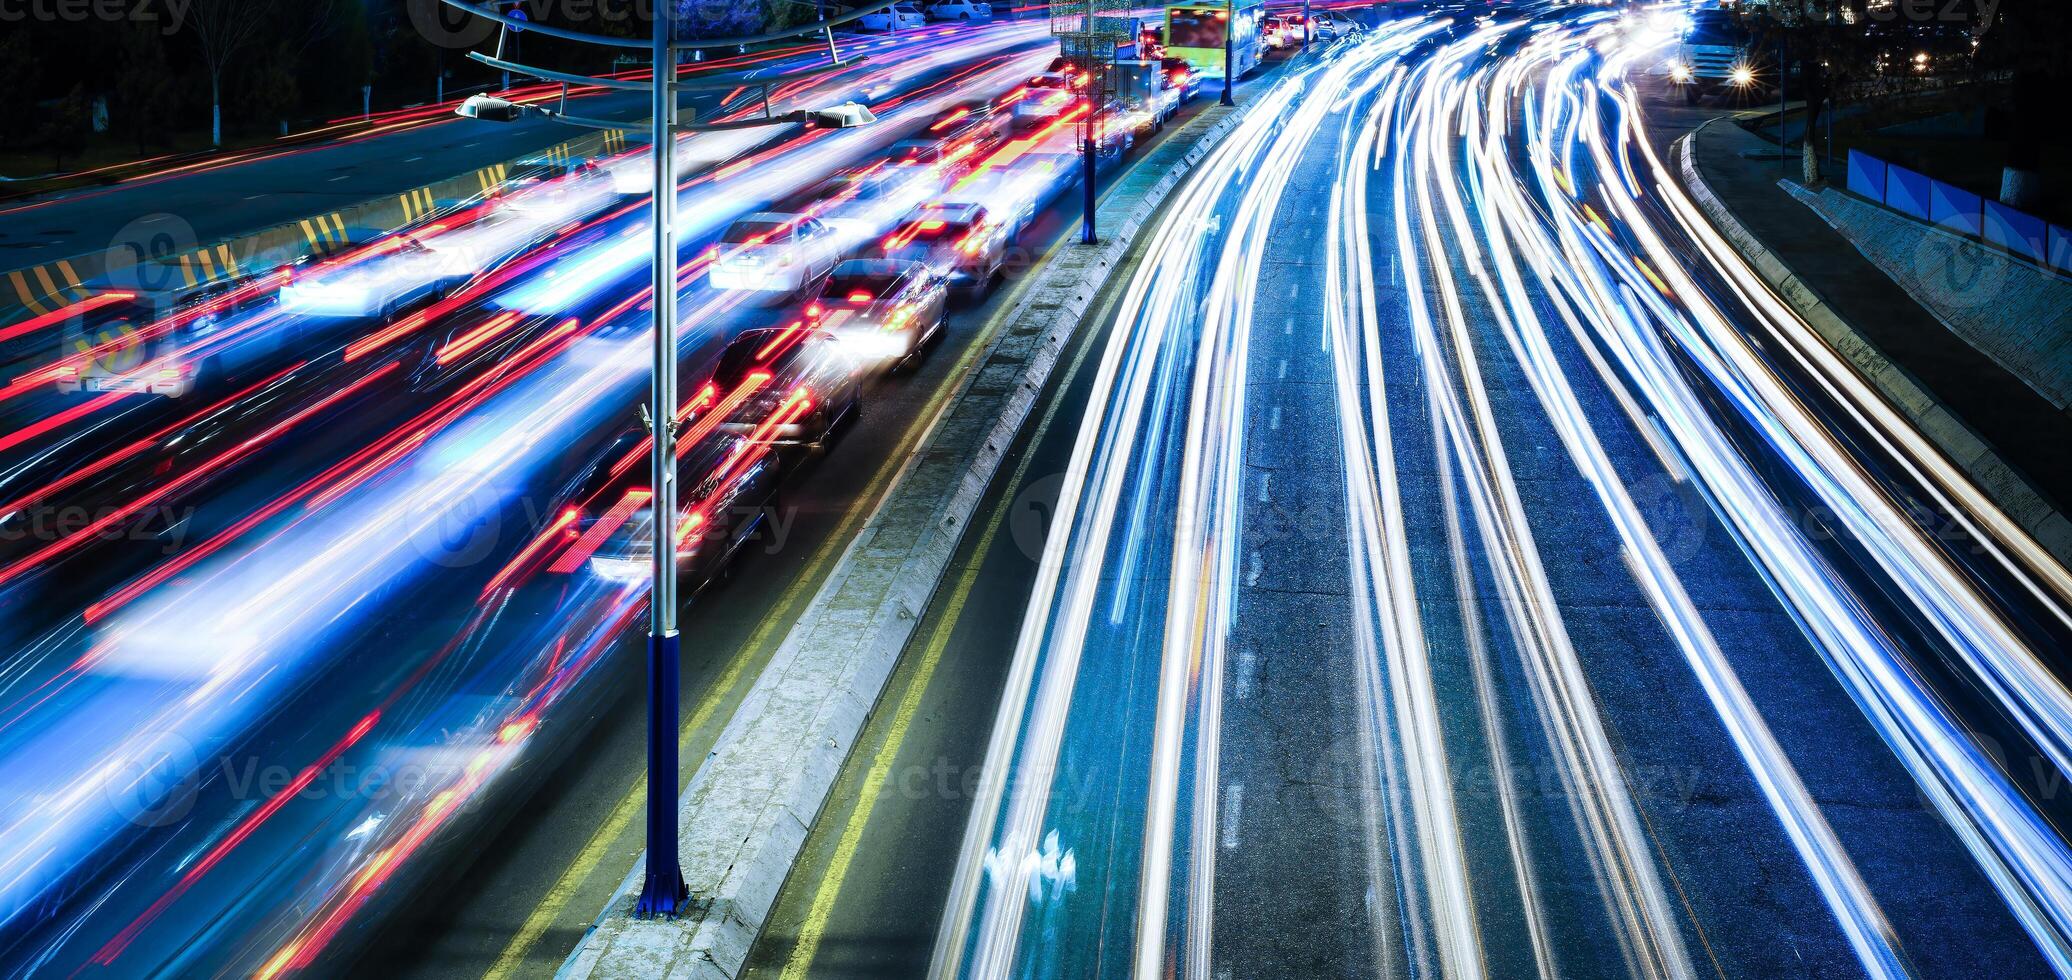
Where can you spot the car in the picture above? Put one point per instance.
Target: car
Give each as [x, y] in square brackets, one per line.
[1182, 75]
[883, 310]
[959, 10]
[959, 242]
[793, 386]
[944, 160]
[1045, 98]
[1329, 27]
[771, 252]
[983, 123]
[386, 279]
[895, 18]
[1278, 34]
[171, 343]
[729, 489]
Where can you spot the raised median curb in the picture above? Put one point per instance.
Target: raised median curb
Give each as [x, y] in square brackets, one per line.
[745, 817]
[39, 289]
[1962, 445]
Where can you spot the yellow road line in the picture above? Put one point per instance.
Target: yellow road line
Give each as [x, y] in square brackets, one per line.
[815, 927]
[557, 898]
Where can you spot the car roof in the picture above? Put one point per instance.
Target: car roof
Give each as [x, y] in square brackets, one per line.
[875, 267]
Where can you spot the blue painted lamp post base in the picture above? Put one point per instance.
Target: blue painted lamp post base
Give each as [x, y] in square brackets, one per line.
[663, 892]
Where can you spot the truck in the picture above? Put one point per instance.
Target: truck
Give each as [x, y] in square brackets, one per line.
[1719, 53]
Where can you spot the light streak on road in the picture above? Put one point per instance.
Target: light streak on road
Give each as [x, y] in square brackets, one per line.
[1530, 217]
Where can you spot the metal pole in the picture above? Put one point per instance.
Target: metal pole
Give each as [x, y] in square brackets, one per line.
[663, 892]
[1783, 145]
[1229, 51]
[1088, 234]
[1305, 25]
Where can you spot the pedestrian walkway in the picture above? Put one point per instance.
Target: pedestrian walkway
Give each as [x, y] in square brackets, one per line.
[2023, 428]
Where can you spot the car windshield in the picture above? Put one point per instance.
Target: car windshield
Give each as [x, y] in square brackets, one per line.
[756, 232]
[861, 287]
[1715, 27]
[1200, 28]
[743, 357]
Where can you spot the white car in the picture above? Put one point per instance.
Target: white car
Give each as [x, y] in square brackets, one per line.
[898, 17]
[774, 253]
[397, 274]
[960, 10]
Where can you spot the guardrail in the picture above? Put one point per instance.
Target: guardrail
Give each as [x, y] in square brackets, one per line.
[1955, 209]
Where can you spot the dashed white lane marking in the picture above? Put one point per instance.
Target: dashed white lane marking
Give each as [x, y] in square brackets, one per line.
[339, 178]
[1273, 419]
[1233, 807]
[412, 159]
[1264, 480]
[1252, 574]
[1247, 665]
[1284, 369]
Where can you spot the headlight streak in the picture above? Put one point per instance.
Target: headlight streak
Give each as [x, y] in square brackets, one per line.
[358, 535]
[1647, 931]
[1862, 919]
[981, 928]
[1385, 595]
[2014, 845]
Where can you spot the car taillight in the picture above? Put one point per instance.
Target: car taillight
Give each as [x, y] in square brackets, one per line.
[860, 297]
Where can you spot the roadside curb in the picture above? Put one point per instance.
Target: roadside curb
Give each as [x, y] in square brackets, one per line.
[744, 820]
[1957, 441]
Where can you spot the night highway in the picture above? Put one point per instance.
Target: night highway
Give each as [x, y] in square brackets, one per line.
[1425, 532]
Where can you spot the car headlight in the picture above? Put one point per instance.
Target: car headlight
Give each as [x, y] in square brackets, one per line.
[1680, 73]
[1744, 76]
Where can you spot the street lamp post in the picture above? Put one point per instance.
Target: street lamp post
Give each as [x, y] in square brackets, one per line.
[1229, 51]
[663, 891]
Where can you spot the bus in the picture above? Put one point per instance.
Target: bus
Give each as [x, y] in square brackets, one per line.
[1194, 33]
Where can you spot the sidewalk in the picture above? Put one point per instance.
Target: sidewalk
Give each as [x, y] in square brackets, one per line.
[2023, 429]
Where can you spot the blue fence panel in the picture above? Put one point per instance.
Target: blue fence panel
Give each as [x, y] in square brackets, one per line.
[2014, 231]
[1867, 176]
[1954, 208]
[2061, 248]
[1907, 192]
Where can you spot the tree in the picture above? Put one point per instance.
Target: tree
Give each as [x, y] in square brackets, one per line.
[21, 78]
[65, 125]
[143, 92]
[2026, 41]
[223, 28]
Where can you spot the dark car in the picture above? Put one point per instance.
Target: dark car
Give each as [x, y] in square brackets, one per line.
[959, 242]
[792, 386]
[728, 490]
[883, 309]
[1182, 75]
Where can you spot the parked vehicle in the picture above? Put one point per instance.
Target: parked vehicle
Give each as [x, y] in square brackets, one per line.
[883, 310]
[806, 386]
[770, 252]
[895, 18]
[959, 10]
[959, 242]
